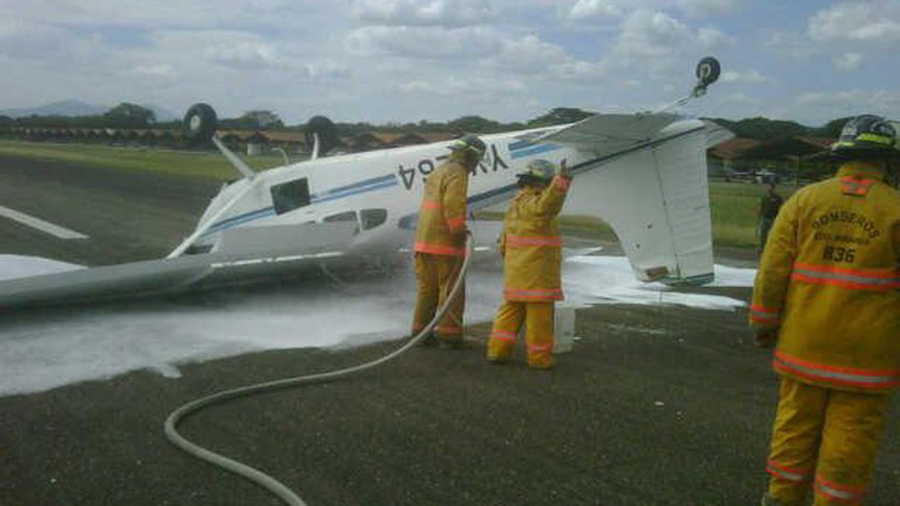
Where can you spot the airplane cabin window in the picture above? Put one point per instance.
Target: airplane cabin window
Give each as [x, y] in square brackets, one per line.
[371, 218]
[289, 196]
[345, 216]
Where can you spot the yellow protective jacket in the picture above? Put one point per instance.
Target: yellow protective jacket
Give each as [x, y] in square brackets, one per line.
[829, 281]
[531, 245]
[442, 215]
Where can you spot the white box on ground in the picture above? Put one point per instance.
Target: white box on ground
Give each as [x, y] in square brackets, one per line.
[563, 329]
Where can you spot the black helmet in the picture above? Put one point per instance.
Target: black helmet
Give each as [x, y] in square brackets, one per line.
[470, 143]
[866, 136]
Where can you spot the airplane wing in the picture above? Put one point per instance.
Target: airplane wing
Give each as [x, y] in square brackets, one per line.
[243, 253]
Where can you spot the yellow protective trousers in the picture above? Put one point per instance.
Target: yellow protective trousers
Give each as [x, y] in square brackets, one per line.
[825, 439]
[538, 319]
[435, 277]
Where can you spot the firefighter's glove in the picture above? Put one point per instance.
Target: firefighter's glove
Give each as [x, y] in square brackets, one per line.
[765, 338]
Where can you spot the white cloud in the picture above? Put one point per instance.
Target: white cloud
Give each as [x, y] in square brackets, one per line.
[705, 7]
[246, 56]
[789, 45]
[487, 57]
[743, 99]
[877, 20]
[656, 42]
[607, 10]
[328, 71]
[423, 42]
[446, 13]
[651, 34]
[580, 71]
[835, 104]
[170, 14]
[749, 76]
[848, 61]
[35, 40]
[459, 86]
[530, 56]
[595, 10]
[155, 70]
[713, 38]
[854, 96]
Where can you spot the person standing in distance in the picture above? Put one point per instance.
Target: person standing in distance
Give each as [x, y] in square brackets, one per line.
[440, 241]
[769, 205]
[827, 295]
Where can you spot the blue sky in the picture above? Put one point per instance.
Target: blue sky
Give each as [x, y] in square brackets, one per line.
[408, 60]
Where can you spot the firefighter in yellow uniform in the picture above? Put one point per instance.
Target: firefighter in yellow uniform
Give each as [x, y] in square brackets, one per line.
[440, 241]
[532, 252]
[828, 293]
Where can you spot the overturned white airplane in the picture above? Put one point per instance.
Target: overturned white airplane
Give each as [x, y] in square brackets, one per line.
[644, 174]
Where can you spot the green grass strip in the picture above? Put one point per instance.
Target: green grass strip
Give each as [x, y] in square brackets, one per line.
[204, 164]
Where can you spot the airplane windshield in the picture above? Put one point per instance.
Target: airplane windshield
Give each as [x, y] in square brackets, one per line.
[289, 196]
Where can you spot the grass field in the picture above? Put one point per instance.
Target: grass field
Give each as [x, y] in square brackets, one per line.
[205, 164]
[734, 208]
[734, 205]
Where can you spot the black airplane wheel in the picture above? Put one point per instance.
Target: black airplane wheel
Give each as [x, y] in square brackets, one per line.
[199, 123]
[708, 70]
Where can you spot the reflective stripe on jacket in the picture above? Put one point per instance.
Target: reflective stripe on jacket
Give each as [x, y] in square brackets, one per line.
[442, 215]
[531, 244]
[829, 280]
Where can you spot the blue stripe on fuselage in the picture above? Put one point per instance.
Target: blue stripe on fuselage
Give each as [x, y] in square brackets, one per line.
[373, 184]
[315, 199]
[375, 180]
[241, 219]
[534, 150]
[519, 145]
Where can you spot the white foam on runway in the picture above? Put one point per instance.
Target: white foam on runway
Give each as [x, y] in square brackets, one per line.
[94, 344]
[590, 280]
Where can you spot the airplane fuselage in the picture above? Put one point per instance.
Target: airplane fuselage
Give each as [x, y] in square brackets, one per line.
[380, 191]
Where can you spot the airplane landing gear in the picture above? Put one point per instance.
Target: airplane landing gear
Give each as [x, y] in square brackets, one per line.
[708, 70]
[199, 123]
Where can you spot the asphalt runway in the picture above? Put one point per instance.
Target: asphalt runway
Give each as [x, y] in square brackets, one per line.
[127, 215]
[656, 405]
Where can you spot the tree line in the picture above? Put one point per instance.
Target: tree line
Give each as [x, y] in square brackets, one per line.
[133, 116]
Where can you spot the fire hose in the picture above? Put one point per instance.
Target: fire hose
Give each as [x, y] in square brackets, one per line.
[258, 477]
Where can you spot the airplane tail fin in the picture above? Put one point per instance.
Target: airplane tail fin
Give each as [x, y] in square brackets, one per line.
[657, 202]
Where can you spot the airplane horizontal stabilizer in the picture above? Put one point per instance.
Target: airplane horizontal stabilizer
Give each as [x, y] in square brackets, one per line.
[716, 133]
[657, 201]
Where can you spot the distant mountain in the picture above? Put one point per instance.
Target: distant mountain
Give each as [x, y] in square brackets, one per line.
[61, 108]
[79, 108]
